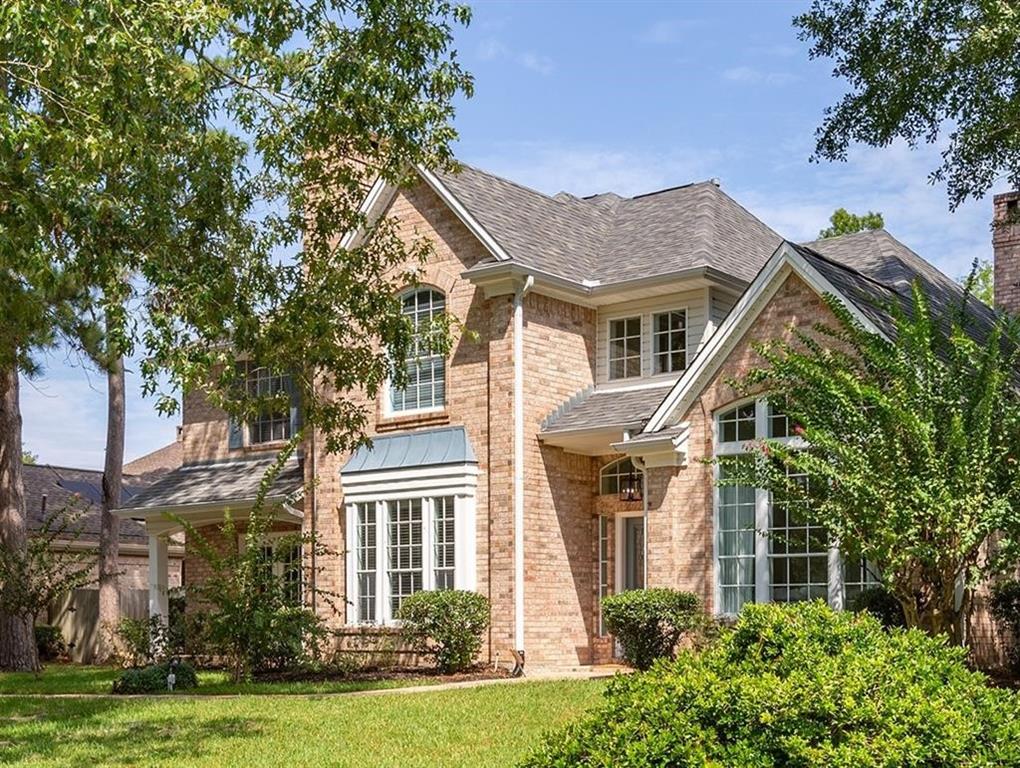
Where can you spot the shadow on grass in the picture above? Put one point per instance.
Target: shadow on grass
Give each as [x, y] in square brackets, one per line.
[110, 731]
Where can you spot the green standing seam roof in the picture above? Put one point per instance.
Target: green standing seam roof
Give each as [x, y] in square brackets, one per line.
[425, 448]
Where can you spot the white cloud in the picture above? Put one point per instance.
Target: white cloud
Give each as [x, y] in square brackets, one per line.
[667, 31]
[745, 74]
[492, 49]
[536, 63]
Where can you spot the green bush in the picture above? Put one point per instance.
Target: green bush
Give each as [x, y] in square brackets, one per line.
[447, 625]
[50, 642]
[880, 603]
[1006, 610]
[648, 623]
[141, 640]
[799, 685]
[153, 679]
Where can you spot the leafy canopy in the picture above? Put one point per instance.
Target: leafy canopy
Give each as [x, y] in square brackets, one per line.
[913, 447]
[842, 222]
[938, 71]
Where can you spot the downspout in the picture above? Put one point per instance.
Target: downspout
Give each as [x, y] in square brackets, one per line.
[640, 464]
[518, 480]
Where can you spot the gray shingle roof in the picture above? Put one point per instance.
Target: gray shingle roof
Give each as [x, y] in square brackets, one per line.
[222, 482]
[602, 409]
[422, 448]
[608, 238]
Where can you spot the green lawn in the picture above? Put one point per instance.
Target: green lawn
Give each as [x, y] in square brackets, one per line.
[485, 726]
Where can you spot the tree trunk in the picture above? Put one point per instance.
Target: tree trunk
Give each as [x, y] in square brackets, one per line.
[17, 636]
[109, 525]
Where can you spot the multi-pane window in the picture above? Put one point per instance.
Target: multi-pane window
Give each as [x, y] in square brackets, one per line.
[858, 575]
[404, 567]
[769, 549]
[669, 341]
[603, 565]
[443, 540]
[365, 561]
[281, 556]
[272, 422]
[425, 366]
[614, 475]
[625, 348]
[399, 547]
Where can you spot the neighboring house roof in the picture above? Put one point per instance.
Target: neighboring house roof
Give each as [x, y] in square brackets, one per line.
[603, 409]
[218, 483]
[422, 448]
[607, 238]
[161, 460]
[70, 490]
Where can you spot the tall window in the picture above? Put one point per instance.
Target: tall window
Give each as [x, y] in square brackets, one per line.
[443, 559]
[404, 568]
[271, 423]
[365, 561]
[426, 369]
[625, 348]
[768, 550]
[669, 341]
[281, 557]
[603, 565]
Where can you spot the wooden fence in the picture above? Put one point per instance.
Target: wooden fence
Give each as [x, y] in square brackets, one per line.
[77, 615]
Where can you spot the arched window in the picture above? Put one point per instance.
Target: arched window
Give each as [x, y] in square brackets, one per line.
[795, 560]
[426, 369]
[619, 477]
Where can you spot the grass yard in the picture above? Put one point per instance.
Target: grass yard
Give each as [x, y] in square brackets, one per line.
[492, 725]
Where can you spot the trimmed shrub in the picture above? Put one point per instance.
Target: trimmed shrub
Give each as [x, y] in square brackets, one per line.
[50, 642]
[1005, 605]
[152, 679]
[799, 685]
[880, 603]
[648, 623]
[445, 624]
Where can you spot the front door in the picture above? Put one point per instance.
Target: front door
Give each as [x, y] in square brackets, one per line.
[633, 553]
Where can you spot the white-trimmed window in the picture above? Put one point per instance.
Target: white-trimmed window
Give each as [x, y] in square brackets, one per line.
[281, 553]
[669, 341]
[768, 551]
[270, 424]
[604, 522]
[625, 348]
[617, 474]
[402, 545]
[426, 369]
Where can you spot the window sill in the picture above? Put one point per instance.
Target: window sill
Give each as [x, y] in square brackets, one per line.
[395, 422]
[274, 445]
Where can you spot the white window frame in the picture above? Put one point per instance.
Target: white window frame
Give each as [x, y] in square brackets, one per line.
[427, 484]
[763, 506]
[612, 469]
[388, 389]
[603, 579]
[655, 334]
[270, 539]
[625, 319]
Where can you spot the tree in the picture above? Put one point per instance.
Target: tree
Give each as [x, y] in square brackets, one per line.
[845, 223]
[167, 154]
[981, 281]
[916, 71]
[27, 457]
[910, 450]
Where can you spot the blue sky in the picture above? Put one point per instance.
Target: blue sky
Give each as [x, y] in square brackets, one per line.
[629, 97]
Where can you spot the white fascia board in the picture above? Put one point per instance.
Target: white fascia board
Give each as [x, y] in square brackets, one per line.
[451, 479]
[784, 261]
[463, 214]
[185, 510]
[380, 193]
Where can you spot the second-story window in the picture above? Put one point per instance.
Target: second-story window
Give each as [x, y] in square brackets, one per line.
[625, 348]
[271, 424]
[669, 341]
[426, 369]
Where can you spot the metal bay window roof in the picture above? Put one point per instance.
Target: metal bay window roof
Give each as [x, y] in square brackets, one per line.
[423, 448]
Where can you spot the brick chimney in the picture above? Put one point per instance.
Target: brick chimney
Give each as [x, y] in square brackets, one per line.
[1006, 247]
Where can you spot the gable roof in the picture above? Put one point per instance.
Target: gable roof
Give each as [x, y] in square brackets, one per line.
[159, 461]
[606, 238]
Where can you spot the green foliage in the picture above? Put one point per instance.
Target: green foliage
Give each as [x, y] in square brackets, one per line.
[981, 281]
[914, 70]
[27, 457]
[153, 678]
[49, 642]
[914, 447]
[1005, 607]
[446, 624]
[649, 623]
[799, 685]
[845, 223]
[881, 604]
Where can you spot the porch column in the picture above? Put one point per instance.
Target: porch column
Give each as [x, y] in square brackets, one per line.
[158, 576]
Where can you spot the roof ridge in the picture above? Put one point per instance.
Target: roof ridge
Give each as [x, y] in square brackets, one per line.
[842, 265]
[519, 185]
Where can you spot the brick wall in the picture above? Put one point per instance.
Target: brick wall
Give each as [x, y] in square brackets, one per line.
[1006, 246]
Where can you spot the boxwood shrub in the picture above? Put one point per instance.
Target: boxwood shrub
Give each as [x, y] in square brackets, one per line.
[446, 625]
[799, 685]
[152, 679]
[648, 623]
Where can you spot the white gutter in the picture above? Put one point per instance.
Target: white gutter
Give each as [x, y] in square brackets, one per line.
[518, 353]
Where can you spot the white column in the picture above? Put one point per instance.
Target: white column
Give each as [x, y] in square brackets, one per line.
[158, 576]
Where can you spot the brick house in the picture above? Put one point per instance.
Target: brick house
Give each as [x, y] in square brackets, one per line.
[555, 455]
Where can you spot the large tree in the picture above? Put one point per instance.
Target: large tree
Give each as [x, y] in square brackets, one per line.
[910, 449]
[934, 71]
[842, 222]
[181, 173]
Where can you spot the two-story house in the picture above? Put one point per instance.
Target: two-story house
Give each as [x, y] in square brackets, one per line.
[556, 455]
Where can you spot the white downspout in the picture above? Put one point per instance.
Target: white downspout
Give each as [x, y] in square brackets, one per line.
[518, 352]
